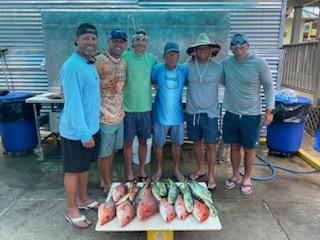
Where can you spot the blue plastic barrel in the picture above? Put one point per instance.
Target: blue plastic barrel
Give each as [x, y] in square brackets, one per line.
[18, 131]
[286, 136]
[317, 141]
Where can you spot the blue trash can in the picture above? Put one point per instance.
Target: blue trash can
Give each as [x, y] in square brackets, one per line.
[317, 141]
[285, 133]
[17, 124]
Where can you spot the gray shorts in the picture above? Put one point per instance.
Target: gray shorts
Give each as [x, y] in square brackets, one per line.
[111, 138]
[137, 123]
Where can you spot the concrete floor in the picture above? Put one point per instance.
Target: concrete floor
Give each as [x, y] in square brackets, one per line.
[33, 205]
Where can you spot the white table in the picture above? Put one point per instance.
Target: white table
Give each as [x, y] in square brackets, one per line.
[45, 99]
[156, 223]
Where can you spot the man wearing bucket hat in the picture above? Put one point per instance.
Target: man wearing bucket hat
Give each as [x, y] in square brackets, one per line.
[244, 74]
[204, 76]
[112, 72]
[79, 123]
[169, 78]
[137, 101]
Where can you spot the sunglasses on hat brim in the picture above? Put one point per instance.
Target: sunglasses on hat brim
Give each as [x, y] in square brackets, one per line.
[239, 41]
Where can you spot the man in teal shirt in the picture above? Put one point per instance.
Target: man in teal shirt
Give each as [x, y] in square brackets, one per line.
[79, 123]
[244, 73]
[137, 101]
[169, 77]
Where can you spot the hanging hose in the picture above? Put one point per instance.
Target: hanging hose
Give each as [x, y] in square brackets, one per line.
[273, 168]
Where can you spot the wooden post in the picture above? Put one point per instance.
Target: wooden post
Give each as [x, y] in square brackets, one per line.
[316, 77]
[296, 26]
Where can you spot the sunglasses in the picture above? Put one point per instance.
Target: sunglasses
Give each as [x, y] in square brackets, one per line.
[92, 60]
[140, 31]
[240, 42]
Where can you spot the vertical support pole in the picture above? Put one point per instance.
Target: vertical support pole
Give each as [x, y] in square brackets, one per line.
[316, 77]
[4, 66]
[38, 131]
[296, 27]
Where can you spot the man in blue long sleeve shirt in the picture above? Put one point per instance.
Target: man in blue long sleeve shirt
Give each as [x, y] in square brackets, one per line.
[79, 123]
[244, 75]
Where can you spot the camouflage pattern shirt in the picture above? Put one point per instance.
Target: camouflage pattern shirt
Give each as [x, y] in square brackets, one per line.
[112, 73]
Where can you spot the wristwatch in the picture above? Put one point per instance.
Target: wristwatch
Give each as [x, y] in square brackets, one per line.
[270, 111]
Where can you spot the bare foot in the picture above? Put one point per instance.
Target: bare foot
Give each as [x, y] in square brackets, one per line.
[142, 174]
[157, 176]
[130, 177]
[179, 176]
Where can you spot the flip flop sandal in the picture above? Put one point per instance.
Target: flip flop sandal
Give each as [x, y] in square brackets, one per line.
[143, 179]
[196, 177]
[132, 180]
[246, 186]
[75, 220]
[93, 205]
[211, 189]
[231, 183]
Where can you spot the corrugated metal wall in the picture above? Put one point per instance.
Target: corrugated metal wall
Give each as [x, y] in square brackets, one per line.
[21, 32]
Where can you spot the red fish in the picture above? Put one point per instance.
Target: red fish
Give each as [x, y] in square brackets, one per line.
[125, 213]
[200, 211]
[106, 212]
[166, 210]
[119, 191]
[147, 204]
[180, 208]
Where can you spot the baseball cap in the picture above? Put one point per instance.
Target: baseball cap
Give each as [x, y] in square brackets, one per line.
[86, 28]
[239, 37]
[118, 34]
[171, 47]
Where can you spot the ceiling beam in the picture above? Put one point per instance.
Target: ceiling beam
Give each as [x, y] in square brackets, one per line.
[304, 3]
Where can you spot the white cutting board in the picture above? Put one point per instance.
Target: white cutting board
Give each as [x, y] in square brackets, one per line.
[155, 222]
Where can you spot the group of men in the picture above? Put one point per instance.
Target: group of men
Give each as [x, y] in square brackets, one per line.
[108, 101]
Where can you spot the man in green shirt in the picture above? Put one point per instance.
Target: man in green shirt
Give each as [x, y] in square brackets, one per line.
[137, 101]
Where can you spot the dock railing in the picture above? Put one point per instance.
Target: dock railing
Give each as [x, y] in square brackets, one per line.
[301, 68]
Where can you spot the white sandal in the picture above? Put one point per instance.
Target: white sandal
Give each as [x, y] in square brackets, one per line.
[75, 220]
[93, 205]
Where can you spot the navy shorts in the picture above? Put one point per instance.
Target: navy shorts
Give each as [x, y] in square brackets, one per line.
[243, 129]
[137, 123]
[76, 158]
[200, 126]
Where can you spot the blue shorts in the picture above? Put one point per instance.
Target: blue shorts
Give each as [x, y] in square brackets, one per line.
[137, 123]
[161, 131]
[111, 138]
[200, 126]
[243, 129]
